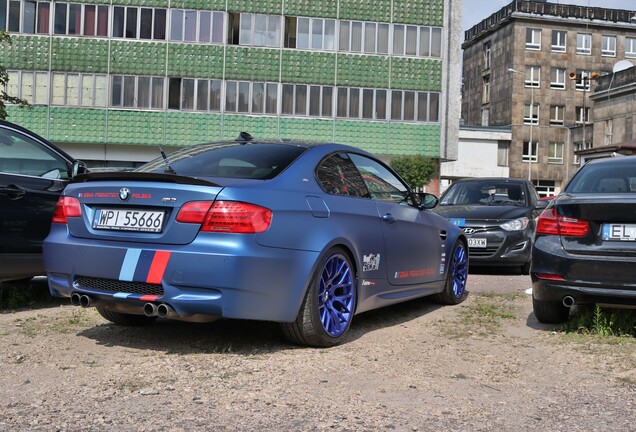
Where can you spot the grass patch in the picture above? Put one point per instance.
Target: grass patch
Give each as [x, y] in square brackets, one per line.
[603, 322]
[483, 315]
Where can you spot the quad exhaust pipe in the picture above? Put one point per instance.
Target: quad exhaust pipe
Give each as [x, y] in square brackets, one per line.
[568, 301]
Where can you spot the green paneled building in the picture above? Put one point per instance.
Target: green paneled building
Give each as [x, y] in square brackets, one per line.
[109, 81]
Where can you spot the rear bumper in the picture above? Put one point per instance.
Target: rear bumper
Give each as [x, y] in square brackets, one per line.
[587, 279]
[232, 278]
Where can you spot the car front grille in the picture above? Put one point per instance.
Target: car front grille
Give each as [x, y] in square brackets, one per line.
[483, 252]
[116, 286]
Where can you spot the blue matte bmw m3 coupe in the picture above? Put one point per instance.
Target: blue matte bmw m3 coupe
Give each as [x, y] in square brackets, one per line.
[303, 234]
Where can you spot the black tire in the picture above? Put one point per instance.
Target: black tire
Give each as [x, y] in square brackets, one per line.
[550, 312]
[127, 320]
[326, 302]
[456, 277]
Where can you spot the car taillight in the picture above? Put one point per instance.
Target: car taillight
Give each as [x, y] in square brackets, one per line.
[226, 216]
[550, 223]
[66, 207]
[194, 212]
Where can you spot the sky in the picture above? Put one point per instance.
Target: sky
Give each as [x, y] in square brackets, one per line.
[477, 10]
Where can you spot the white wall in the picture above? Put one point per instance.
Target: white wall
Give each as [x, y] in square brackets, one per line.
[477, 156]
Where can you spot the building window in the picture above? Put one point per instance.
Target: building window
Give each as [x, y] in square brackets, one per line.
[315, 33]
[531, 114]
[555, 153]
[533, 76]
[557, 78]
[545, 188]
[67, 19]
[96, 21]
[582, 80]
[137, 92]
[584, 43]
[582, 115]
[502, 153]
[533, 39]
[630, 47]
[260, 30]
[608, 46]
[417, 41]
[486, 90]
[487, 54]
[557, 115]
[196, 26]
[65, 89]
[530, 152]
[559, 41]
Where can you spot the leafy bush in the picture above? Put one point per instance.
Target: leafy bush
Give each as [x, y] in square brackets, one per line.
[416, 170]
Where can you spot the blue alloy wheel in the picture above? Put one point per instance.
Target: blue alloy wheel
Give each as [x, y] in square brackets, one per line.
[336, 295]
[454, 291]
[459, 270]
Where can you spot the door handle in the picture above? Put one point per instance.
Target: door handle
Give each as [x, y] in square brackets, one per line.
[14, 192]
[443, 235]
[389, 218]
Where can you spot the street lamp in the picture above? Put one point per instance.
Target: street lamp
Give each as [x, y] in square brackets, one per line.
[531, 143]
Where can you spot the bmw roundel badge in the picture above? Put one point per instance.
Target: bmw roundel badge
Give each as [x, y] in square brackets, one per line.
[124, 194]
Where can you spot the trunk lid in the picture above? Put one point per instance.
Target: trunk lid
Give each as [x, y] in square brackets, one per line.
[136, 207]
[612, 222]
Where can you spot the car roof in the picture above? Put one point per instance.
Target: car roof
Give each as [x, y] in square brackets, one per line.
[490, 179]
[8, 124]
[615, 160]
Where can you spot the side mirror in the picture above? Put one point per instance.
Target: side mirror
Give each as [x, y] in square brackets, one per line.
[542, 204]
[427, 200]
[79, 168]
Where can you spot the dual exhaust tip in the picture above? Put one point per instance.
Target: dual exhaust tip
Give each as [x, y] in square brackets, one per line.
[80, 300]
[161, 310]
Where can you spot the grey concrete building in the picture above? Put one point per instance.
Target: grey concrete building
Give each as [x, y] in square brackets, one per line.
[532, 65]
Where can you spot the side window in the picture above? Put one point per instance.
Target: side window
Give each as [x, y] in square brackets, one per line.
[382, 183]
[20, 154]
[338, 175]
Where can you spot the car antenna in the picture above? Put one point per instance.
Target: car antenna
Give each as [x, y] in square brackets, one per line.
[169, 169]
[244, 137]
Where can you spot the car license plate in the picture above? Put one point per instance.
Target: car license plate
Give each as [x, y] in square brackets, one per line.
[458, 222]
[128, 220]
[619, 232]
[477, 242]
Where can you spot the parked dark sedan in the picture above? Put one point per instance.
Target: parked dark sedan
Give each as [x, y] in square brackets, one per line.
[585, 244]
[33, 173]
[498, 217]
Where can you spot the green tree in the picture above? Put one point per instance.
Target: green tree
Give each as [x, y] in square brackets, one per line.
[416, 170]
[4, 80]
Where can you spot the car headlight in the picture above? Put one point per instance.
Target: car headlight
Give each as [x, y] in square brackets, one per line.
[516, 225]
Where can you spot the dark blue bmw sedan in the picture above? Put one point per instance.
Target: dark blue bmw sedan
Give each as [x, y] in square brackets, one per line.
[302, 234]
[585, 244]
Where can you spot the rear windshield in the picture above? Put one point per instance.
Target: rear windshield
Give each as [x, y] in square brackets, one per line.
[604, 178]
[245, 161]
[491, 193]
